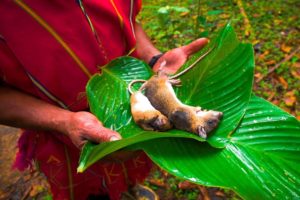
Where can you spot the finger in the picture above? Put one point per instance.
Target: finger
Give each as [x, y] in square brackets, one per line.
[159, 65]
[194, 46]
[171, 61]
[105, 135]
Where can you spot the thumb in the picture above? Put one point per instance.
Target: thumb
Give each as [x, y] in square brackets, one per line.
[102, 134]
[194, 46]
[108, 135]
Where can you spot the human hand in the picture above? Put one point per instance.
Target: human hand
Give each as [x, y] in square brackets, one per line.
[83, 126]
[172, 60]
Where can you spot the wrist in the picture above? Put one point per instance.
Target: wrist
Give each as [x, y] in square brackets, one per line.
[63, 121]
[154, 59]
[148, 53]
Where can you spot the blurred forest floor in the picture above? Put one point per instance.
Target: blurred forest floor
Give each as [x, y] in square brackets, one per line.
[272, 27]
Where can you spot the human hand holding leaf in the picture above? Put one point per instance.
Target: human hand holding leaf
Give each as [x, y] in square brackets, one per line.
[172, 60]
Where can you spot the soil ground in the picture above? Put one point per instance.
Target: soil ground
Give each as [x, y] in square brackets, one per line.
[16, 185]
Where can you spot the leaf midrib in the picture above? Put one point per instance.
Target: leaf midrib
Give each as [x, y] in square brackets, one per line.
[114, 76]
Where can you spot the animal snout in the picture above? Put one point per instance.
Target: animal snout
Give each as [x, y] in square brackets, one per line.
[218, 115]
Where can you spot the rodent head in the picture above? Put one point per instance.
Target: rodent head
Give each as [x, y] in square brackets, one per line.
[195, 120]
[209, 121]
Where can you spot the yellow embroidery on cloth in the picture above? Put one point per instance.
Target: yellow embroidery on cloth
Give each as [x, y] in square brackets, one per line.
[118, 13]
[45, 25]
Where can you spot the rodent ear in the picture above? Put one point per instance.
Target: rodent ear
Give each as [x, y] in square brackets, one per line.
[180, 119]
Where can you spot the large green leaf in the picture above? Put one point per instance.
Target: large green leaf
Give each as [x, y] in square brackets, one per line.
[260, 154]
[261, 160]
[109, 101]
[107, 92]
[221, 81]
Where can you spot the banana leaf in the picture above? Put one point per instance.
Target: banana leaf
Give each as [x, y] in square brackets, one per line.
[221, 81]
[255, 149]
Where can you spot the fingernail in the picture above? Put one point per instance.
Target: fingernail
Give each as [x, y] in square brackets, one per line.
[113, 138]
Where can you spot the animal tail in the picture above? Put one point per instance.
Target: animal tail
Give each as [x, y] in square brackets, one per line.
[133, 82]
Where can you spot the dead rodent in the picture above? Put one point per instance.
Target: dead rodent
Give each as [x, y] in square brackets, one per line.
[159, 91]
[146, 116]
[159, 108]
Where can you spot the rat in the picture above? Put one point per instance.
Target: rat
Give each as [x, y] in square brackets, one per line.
[159, 91]
[161, 96]
[144, 114]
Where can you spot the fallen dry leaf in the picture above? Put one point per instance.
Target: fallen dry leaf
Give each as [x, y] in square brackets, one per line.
[204, 193]
[283, 82]
[220, 25]
[296, 73]
[296, 65]
[276, 102]
[262, 56]
[220, 194]
[277, 21]
[257, 75]
[164, 173]
[184, 14]
[224, 16]
[36, 189]
[254, 42]
[286, 48]
[247, 32]
[187, 185]
[271, 62]
[290, 98]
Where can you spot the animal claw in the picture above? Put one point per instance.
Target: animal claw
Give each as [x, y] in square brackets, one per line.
[201, 132]
[175, 82]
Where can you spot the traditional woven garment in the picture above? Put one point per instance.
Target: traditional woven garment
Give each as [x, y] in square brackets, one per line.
[50, 49]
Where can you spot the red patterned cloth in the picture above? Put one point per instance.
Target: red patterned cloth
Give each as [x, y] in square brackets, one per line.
[50, 49]
[58, 159]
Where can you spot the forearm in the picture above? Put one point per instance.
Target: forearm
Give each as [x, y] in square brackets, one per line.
[24, 111]
[144, 46]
